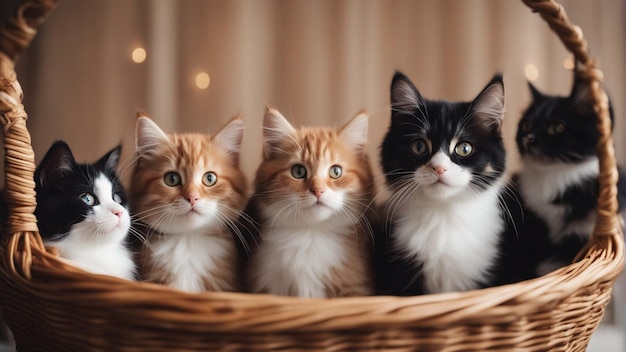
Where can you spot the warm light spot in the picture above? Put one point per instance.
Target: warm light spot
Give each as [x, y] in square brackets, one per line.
[139, 55]
[531, 72]
[569, 63]
[203, 80]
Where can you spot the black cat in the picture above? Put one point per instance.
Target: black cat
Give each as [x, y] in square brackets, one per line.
[557, 139]
[448, 216]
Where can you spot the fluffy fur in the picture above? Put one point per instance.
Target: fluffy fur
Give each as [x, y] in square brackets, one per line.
[313, 208]
[83, 212]
[187, 191]
[446, 217]
[557, 139]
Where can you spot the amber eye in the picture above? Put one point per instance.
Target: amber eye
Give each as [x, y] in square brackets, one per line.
[555, 128]
[172, 179]
[526, 126]
[209, 179]
[419, 147]
[298, 171]
[335, 171]
[463, 149]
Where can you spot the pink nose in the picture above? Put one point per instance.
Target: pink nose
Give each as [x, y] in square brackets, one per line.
[439, 170]
[317, 191]
[192, 198]
[117, 213]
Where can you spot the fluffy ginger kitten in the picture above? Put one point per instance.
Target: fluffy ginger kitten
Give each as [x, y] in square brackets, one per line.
[187, 190]
[313, 195]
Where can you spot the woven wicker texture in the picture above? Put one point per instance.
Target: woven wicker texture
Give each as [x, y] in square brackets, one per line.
[52, 306]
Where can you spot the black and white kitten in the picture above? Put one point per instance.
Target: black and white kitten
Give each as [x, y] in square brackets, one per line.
[444, 163]
[83, 212]
[557, 139]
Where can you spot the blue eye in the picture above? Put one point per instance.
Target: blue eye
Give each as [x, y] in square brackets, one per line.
[209, 179]
[88, 198]
[172, 179]
[298, 171]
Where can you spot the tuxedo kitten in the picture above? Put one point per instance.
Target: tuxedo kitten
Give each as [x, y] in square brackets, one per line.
[313, 204]
[444, 162]
[557, 139]
[82, 211]
[187, 191]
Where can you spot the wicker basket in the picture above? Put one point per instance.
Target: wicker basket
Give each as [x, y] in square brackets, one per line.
[51, 306]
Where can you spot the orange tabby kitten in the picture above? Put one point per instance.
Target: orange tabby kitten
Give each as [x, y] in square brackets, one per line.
[188, 190]
[313, 196]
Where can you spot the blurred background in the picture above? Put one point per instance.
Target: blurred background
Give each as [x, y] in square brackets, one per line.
[193, 64]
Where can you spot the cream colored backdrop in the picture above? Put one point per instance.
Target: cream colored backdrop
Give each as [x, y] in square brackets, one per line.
[318, 61]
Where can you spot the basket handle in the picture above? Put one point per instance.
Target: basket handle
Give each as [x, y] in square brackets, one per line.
[19, 159]
[608, 223]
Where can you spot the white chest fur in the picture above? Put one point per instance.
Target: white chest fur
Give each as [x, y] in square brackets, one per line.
[456, 241]
[189, 257]
[540, 184]
[111, 259]
[297, 261]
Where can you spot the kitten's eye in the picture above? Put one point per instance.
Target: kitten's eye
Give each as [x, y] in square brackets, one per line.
[172, 179]
[526, 126]
[298, 171]
[209, 179]
[88, 198]
[117, 198]
[419, 147]
[555, 128]
[335, 171]
[463, 149]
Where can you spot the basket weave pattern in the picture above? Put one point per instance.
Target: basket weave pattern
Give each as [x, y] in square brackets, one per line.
[50, 305]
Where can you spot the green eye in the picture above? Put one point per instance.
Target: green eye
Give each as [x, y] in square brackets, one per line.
[526, 126]
[209, 179]
[419, 147]
[555, 128]
[298, 171]
[463, 149]
[172, 179]
[88, 198]
[335, 171]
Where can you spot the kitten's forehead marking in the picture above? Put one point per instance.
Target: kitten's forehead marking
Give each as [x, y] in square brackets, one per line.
[103, 188]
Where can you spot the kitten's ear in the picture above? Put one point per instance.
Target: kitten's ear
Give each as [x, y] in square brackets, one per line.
[57, 162]
[229, 138]
[276, 129]
[111, 160]
[148, 136]
[354, 133]
[581, 93]
[405, 97]
[488, 107]
[536, 94]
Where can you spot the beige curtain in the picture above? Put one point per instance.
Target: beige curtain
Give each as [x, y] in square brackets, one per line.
[318, 61]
